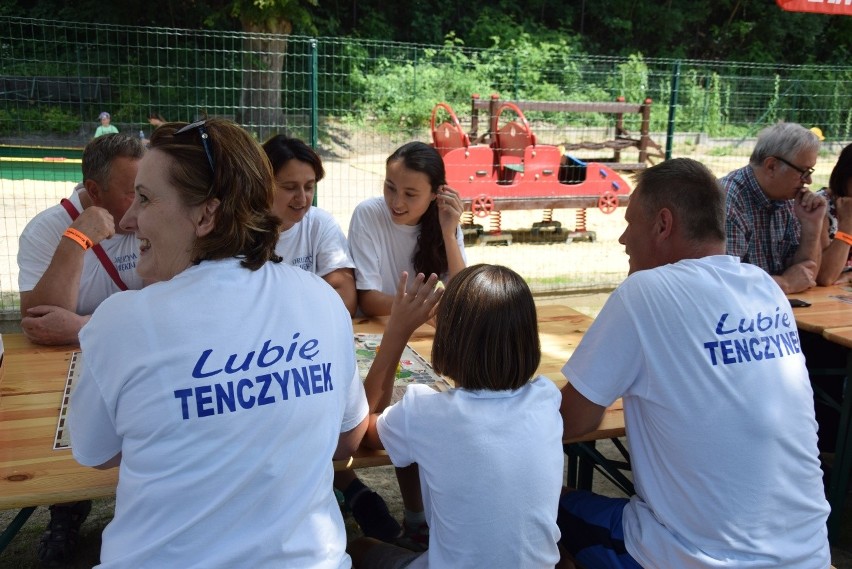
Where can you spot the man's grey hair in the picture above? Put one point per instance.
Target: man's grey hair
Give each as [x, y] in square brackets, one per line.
[784, 139]
[101, 151]
[690, 191]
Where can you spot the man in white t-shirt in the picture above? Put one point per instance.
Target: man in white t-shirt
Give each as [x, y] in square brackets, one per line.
[704, 351]
[62, 279]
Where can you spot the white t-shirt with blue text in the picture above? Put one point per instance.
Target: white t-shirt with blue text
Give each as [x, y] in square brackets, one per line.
[315, 244]
[227, 404]
[719, 415]
[41, 237]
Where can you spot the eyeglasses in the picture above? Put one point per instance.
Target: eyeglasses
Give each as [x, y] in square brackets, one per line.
[804, 173]
[205, 141]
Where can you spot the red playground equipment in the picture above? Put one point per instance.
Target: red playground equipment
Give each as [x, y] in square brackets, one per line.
[515, 172]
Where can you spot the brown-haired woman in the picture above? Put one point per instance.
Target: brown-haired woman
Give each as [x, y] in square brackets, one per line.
[222, 405]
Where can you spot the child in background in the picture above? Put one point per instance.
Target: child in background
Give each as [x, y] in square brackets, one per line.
[310, 237]
[413, 228]
[489, 450]
[105, 127]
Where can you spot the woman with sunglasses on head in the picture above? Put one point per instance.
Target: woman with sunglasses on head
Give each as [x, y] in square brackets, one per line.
[221, 405]
[414, 227]
[310, 237]
[836, 264]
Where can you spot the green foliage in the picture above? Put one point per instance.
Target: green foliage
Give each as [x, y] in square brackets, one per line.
[47, 120]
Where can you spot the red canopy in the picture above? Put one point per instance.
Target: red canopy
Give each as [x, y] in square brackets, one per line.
[834, 7]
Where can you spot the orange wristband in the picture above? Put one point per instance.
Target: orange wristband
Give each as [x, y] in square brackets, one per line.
[845, 237]
[78, 237]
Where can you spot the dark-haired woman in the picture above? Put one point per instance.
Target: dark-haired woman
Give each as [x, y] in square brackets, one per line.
[310, 237]
[413, 228]
[836, 264]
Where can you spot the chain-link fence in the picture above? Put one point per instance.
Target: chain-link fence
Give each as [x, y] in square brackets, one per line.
[357, 100]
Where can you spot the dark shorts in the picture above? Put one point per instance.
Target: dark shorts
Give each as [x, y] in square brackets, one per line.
[592, 532]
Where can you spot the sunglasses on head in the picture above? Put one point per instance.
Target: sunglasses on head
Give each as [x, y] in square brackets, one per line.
[205, 140]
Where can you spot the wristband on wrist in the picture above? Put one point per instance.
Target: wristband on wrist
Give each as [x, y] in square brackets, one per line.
[79, 238]
[842, 236]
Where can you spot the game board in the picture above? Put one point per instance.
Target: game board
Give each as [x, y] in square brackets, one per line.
[63, 438]
[413, 368]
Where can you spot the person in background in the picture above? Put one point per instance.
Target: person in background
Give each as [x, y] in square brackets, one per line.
[238, 383]
[414, 227]
[772, 219]
[62, 275]
[717, 400]
[63, 279]
[836, 265]
[310, 237]
[105, 127]
[489, 450]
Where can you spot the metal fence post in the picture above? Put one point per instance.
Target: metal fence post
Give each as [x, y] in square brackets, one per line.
[672, 107]
[314, 100]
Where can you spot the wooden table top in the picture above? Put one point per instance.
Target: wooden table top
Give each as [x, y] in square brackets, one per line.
[32, 473]
[825, 312]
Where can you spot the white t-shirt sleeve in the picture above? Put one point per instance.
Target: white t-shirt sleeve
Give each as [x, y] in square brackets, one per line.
[332, 249]
[607, 360]
[356, 403]
[94, 439]
[36, 246]
[393, 425]
[365, 248]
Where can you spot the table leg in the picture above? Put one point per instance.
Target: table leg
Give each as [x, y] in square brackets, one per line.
[15, 526]
[584, 457]
[842, 466]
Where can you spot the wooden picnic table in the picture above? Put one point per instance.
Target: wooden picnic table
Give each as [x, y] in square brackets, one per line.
[32, 473]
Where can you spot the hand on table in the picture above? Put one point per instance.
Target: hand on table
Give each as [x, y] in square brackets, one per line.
[52, 325]
[800, 276]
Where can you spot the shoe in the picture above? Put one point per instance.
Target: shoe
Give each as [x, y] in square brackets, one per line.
[372, 514]
[414, 538]
[58, 544]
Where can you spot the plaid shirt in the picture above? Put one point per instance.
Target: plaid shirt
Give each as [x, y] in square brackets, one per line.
[760, 231]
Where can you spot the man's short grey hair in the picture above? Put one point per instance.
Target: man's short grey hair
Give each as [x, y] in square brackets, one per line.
[101, 151]
[690, 191]
[784, 139]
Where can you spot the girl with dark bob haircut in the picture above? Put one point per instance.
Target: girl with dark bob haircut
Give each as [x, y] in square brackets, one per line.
[487, 334]
[497, 433]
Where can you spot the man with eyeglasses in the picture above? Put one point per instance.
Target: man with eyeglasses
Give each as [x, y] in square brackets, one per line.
[71, 257]
[773, 220]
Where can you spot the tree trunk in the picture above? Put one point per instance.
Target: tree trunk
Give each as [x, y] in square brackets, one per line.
[263, 59]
